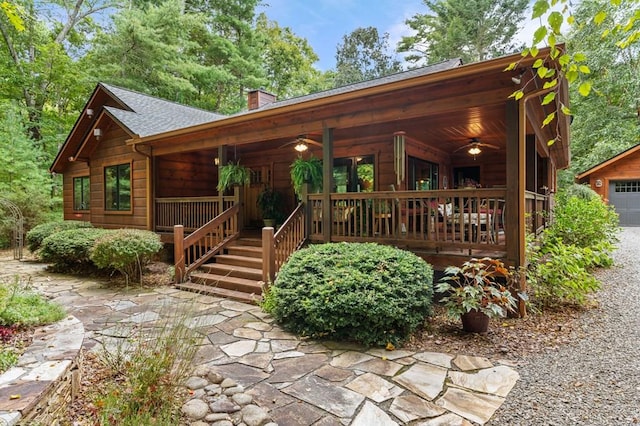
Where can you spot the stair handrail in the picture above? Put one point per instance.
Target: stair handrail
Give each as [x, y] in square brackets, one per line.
[277, 248]
[201, 245]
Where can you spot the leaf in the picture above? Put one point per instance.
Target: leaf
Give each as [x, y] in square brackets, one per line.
[548, 98]
[579, 57]
[555, 21]
[548, 84]
[540, 8]
[534, 52]
[15, 396]
[551, 142]
[600, 17]
[584, 69]
[511, 66]
[539, 35]
[542, 72]
[549, 118]
[585, 88]
[390, 346]
[565, 110]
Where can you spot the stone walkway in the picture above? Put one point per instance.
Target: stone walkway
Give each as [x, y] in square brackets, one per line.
[300, 382]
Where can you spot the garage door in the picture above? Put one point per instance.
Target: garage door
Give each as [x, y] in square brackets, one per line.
[625, 197]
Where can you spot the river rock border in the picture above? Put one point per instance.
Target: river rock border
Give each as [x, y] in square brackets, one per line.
[40, 387]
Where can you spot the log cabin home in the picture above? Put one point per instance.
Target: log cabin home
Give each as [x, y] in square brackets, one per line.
[438, 160]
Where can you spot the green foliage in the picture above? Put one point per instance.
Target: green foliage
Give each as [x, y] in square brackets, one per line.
[362, 55]
[37, 234]
[459, 29]
[70, 248]
[364, 292]
[559, 273]
[149, 371]
[480, 285]
[126, 250]
[21, 306]
[270, 204]
[584, 222]
[233, 174]
[581, 238]
[306, 171]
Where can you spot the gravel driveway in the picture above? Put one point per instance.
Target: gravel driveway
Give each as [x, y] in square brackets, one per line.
[595, 381]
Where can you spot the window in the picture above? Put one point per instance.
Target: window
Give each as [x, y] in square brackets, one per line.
[629, 186]
[423, 175]
[353, 174]
[117, 187]
[81, 193]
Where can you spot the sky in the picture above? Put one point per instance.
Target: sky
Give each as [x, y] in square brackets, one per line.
[324, 22]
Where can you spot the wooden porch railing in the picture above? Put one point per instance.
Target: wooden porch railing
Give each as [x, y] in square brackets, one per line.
[204, 243]
[276, 248]
[537, 210]
[464, 219]
[192, 213]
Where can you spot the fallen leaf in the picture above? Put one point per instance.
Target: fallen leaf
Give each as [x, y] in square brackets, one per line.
[15, 396]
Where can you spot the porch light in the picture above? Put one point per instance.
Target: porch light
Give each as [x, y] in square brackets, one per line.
[216, 161]
[301, 147]
[97, 133]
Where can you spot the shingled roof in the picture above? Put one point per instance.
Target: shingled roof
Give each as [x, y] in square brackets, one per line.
[146, 115]
[400, 76]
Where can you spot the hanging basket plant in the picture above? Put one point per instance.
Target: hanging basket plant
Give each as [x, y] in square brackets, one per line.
[233, 174]
[306, 171]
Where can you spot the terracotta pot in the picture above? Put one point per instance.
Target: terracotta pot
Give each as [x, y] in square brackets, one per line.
[475, 322]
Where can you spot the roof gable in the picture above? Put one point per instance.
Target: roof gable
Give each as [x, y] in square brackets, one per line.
[606, 163]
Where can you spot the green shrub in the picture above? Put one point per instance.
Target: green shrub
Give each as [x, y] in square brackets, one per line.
[36, 235]
[66, 249]
[583, 220]
[20, 306]
[126, 250]
[368, 293]
[559, 273]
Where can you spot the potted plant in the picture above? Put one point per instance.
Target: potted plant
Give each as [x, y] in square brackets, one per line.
[270, 204]
[476, 292]
[233, 174]
[306, 171]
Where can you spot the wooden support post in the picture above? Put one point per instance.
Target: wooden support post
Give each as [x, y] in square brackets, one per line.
[268, 256]
[327, 182]
[304, 198]
[178, 253]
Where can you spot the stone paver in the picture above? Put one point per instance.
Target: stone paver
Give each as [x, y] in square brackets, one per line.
[299, 382]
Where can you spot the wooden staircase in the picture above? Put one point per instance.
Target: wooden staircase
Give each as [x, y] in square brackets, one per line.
[236, 274]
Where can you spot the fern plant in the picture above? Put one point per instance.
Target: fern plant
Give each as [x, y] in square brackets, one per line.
[306, 171]
[233, 174]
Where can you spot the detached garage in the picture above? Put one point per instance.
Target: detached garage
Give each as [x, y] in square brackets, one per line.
[617, 180]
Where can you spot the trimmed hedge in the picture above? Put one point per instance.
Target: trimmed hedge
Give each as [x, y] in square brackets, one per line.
[126, 250]
[36, 235]
[365, 292]
[70, 248]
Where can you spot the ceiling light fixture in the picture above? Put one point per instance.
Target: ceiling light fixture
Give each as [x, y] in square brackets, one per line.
[474, 150]
[301, 147]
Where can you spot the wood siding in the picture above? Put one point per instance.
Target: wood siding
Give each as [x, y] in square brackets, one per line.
[110, 150]
[75, 169]
[627, 168]
[186, 175]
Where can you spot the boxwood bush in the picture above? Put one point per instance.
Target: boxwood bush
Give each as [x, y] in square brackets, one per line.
[361, 292]
[70, 248]
[126, 250]
[36, 235]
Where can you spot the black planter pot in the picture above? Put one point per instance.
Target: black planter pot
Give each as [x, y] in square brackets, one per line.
[475, 322]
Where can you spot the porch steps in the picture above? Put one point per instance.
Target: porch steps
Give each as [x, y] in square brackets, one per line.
[235, 274]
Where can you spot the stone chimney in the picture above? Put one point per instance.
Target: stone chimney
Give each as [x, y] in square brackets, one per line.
[259, 98]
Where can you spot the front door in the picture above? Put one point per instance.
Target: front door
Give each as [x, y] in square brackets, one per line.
[260, 178]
